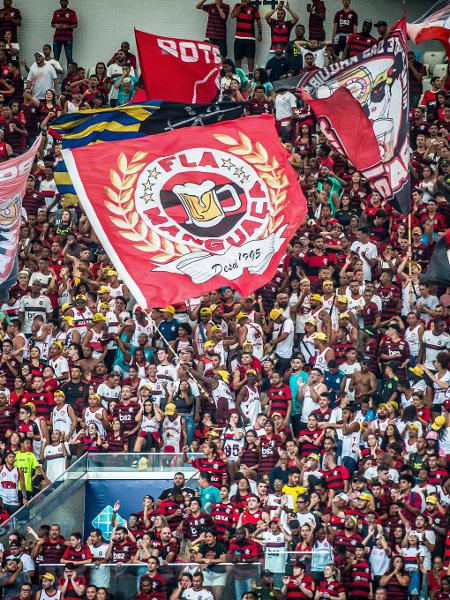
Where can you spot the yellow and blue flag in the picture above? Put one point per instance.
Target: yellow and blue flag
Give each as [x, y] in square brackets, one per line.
[131, 121]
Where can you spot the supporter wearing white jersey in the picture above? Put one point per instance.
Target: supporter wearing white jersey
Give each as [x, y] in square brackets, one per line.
[248, 401]
[82, 315]
[63, 416]
[10, 478]
[55, 456]
[32, 305]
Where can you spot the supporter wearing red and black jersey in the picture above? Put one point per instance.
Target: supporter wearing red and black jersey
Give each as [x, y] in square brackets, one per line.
[349, 536]
[280, 397]
[259, 104]
[345, 20]
[49, 548]
[76, 552]
[216, 27]
[360, 577]
[280, 28]
[243, 550]
[196, 522]
[210, 463]
[246, 15]
[126, 412]
[336, 476]
[158, 583]
[122, 546]
[7, 416]
[42, 400]
[269, 444]
[224, 514]
[330, 586]
[172, 508]
[317, 15]
[70, 579]
[299, 585]
[358, 42]
[394, 348]
[64, 21]
[310, 438]
[166, 545]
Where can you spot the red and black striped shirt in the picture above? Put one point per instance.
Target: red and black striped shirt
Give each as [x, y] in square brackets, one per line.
[280, 32]
[245, 22]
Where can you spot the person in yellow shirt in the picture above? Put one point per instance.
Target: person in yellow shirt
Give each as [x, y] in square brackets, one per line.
[292, 487]
[26, 460]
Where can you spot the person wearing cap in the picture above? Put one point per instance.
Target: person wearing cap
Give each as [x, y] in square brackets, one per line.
[169, 325]
[96, 336]
[250, 332]
[58, 362]
[42, 77]
[282, 341]
[325, 352]
[440, 381]
[82, 315]
[202, 329]
[173, 430]
[47, 587]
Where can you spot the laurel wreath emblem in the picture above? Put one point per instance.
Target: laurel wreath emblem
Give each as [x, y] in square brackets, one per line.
[122, 207]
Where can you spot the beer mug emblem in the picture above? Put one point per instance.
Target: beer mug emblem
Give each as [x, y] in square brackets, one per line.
[201, 203]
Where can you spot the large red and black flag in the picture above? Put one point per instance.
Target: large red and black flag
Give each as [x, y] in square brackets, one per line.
[362, 107]
[181, 214]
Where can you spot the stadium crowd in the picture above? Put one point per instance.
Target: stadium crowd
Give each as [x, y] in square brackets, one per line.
[316, 410]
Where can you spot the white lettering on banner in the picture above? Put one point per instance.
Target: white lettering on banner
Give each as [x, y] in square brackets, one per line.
[8, 172]
[191, 52]
[253, 255]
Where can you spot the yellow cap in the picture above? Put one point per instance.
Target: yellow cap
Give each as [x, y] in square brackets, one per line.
[344, 315]
[365, 496]
[59, 393]
[170, 309]
[250, 372]
[213, 307]
[431, 500]
[209, 344]
[170, 409]
[103, 289]
[224, 375]
[241, 315]
[314, 457]
[57, 344]
[311, 320]
[216, 328]
[320, 336]
[317, 297]
[69, 320]
[80, 297]
[98, 317]
[105, 305]
[417, 371]
[205, 311]
[439, 423]
[393, 403]
[342, 299]
[65, 306]
[275, 313]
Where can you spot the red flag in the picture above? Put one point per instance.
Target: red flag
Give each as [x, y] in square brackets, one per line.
[178, 70]
[433, 25]
[361, 103]
[188, 211]
[13, 179]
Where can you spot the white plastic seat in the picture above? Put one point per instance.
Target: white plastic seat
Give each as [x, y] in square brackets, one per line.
[433, 58]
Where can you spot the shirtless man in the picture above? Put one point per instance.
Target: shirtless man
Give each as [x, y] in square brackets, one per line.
[363, 383]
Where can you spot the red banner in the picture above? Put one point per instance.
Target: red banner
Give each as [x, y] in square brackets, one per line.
[13, 179]
[189, 211]
[178, 70]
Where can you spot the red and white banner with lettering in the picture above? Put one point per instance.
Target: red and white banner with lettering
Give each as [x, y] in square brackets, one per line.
[178, 70]
[362, 107]
[186, 212]
[13, 179]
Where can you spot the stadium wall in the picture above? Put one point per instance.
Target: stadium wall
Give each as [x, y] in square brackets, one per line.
[104, 24]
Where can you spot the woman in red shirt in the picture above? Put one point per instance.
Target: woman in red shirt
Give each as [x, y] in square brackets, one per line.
[330, 588]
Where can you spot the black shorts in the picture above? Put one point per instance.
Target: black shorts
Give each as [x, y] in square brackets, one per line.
[244, 49]
[222, 44]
